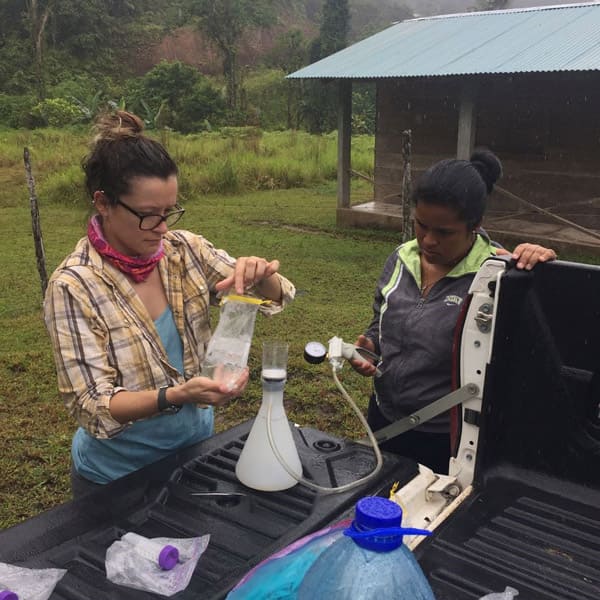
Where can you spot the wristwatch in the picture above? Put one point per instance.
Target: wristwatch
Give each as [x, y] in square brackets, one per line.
[164, 406]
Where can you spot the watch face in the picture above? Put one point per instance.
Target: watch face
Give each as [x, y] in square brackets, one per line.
[314, 352]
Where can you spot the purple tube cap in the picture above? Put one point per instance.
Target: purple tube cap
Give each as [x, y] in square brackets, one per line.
[8, 595]
[167, 559]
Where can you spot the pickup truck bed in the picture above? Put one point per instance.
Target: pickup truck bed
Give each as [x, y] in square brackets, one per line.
[533, 519]
[541, 539]
[156, 501]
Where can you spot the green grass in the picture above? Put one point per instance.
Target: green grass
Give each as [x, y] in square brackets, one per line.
[334, 270]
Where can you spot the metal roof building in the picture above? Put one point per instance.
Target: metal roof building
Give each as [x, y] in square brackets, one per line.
[552, 38]
[523, 82]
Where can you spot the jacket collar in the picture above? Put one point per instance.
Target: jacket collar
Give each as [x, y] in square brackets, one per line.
[410, 255]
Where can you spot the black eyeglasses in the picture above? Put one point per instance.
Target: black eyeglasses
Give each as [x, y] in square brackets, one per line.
[149, 221]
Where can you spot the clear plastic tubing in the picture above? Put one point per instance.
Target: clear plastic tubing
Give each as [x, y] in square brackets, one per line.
[166, 557]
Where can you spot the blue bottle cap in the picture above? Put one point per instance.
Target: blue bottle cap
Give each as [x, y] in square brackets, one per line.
[8, 595]
[167, 559]
[377, 525]
[378, 513]
[374, 512]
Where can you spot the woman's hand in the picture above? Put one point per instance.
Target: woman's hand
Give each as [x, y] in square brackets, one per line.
[249, 271]
[202, 390]
[365, 366]
[529, 255]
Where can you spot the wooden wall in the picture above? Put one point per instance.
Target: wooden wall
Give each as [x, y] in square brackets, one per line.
[430, 111]
[544, 127]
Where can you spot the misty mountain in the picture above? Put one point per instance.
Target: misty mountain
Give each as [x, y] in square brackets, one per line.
[426, 8]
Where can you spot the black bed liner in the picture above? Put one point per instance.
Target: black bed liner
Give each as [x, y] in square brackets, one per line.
[546, 545]
[156, 501]
[533, 519]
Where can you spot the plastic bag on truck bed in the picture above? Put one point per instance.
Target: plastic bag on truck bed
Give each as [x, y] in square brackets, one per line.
[508, 594]
[29, 584]
[127, 567]
[280, 575]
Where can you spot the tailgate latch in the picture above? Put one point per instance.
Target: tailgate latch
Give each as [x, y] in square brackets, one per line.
[484, 317]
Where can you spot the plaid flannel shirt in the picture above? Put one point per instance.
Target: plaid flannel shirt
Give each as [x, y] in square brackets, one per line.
[105, 341]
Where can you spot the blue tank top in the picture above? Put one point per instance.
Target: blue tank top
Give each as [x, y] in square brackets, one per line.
[147, 440]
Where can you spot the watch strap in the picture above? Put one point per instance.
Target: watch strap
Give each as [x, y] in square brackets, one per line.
[163, 404]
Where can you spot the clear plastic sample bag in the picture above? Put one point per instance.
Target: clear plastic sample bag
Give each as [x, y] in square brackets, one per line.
[128, 565]
[29, 584]
[228, 349]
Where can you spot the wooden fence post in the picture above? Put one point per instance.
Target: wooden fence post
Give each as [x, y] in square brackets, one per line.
[35, 224]
[407, 224]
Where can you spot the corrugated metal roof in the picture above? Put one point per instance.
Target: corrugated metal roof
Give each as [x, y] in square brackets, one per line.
[551, 38]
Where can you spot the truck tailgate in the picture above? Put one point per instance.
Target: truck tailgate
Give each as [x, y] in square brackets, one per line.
[533, 519]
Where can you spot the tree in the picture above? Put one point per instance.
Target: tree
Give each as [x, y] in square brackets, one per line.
[320, 109]
[11, 22]
[37, 14]
[62, 35]
[289, 54]
[95, 29]
[335, 26]
[178, 93]
[224, 22]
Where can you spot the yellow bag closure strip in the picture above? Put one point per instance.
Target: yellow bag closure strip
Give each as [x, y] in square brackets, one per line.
[246, 299]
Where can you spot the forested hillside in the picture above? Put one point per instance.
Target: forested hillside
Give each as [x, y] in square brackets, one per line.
[184, 64]
[187, 64]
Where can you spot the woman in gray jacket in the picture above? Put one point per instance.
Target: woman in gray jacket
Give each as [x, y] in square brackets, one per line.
[419, 297]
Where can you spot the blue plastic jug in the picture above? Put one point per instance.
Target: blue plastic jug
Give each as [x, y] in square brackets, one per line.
[369, 561]
[362, 560]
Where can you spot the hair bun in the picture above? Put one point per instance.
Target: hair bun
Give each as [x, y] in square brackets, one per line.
[118, 125]
[488, 165]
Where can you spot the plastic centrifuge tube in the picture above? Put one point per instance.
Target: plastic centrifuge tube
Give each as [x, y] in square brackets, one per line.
[166, 557]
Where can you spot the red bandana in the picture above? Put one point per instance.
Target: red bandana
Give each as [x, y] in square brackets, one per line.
[136, 267]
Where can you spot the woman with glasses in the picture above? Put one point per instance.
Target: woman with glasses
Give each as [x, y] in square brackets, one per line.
[128, 312]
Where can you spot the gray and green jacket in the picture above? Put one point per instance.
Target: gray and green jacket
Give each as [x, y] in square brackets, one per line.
[414, 335]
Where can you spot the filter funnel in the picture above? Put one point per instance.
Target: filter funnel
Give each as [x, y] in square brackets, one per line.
[259, 465]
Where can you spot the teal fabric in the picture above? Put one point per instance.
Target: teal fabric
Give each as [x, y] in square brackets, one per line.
[170, 338]
[147, 440]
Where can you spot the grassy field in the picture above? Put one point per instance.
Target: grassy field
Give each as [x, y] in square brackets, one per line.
[334, 271]
[263, 194]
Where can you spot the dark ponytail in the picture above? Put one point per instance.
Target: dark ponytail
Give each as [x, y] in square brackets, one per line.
[462, 185]
[488, 166]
